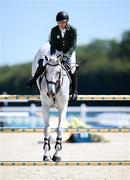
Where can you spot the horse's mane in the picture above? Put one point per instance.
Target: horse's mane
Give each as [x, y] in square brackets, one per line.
[53, 60]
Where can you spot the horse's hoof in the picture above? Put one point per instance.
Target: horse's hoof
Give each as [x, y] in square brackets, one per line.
[56, 158]
[46, 158]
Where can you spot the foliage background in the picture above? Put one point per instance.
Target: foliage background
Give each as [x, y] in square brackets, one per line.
[104, 69]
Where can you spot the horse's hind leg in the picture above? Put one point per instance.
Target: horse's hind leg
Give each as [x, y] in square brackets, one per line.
[46, 146]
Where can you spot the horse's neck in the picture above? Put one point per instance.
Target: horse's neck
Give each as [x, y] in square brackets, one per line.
[64, 80]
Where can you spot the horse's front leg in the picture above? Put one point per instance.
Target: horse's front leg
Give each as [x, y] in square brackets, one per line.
[46, 146]
[58, 145]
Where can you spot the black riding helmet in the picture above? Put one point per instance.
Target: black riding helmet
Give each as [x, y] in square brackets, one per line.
[62, 16]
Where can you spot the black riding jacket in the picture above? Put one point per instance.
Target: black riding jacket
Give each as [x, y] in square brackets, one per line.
[66, 44]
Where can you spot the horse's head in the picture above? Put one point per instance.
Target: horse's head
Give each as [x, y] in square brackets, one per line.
[53, 75]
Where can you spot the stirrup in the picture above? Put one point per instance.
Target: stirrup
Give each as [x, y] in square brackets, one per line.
[31, 83]
[73, 96]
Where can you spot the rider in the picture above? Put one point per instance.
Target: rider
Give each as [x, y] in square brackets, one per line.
[63, 40]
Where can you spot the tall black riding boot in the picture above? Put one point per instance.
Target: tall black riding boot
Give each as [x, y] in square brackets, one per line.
[38, 72]
[73, 92]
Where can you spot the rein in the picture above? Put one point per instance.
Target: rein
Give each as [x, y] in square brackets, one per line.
[57, 83]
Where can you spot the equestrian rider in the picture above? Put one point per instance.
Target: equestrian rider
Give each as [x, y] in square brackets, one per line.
[63, 41]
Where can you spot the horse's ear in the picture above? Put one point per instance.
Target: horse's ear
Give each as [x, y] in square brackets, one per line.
[46, 58]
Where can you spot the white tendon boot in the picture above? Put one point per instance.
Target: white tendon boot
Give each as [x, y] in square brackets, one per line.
[46, 148]
[56, 157]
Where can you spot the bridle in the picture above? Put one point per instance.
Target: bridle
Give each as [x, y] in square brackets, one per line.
[57, 83]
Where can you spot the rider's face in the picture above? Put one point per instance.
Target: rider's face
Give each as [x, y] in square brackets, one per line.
[62, 24]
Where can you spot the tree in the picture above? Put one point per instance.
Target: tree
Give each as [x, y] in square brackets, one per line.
[125, 46]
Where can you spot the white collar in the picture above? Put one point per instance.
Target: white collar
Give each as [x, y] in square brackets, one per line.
[63, 30]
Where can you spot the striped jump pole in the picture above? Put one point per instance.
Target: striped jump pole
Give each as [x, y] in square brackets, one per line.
[65, 163]
[79, 98]
[66, 130]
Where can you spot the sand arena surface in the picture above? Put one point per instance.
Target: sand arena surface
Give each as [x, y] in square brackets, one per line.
[26, 147]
